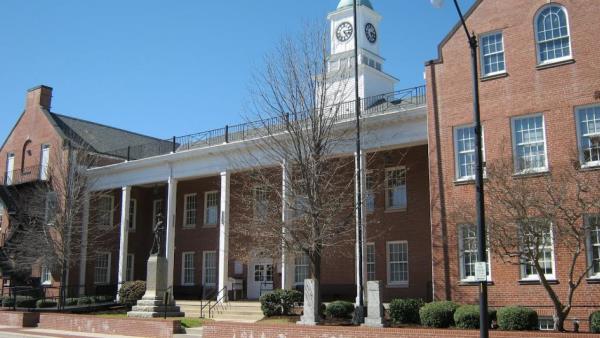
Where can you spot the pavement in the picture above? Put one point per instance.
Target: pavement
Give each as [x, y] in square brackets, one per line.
[16, 332]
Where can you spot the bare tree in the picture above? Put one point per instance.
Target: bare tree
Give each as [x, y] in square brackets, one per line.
[530, 216]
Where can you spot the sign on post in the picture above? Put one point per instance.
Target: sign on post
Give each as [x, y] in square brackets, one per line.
[481, 271]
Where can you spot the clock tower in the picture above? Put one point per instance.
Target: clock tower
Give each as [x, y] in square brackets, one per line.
[372, 79]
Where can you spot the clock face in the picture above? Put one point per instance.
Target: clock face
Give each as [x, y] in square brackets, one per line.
[371, 33]
[344, 31]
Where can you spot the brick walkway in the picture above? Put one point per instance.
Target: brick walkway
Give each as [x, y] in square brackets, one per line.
[15, 332]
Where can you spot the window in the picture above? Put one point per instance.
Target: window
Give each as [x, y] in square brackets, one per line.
[106, 211]
[260, 202]
[46, 277]
[588, 133]
[397, 263]
[593, 226]
[492, 54]
[537, 241]
[211, 208]
[50, 208]
[209, 272]
[132, 214]
[129, 267]
[102, 269]
[301, 269]
[189, 211]
[468, 246]
[1, 213]
[552, 34]
[546, 324]
[187, 271]
[157, 209]
[369, 193]
[10, 167]
[395, 186]
[371, 262]
[529, 144]
[464, 150]
[44, 161]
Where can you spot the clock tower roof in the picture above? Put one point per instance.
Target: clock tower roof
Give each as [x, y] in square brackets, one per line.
[350, 3]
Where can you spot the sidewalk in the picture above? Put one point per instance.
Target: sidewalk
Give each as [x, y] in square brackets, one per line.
[16, 332]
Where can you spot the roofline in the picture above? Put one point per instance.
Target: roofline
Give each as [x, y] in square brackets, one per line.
[12, 129]
[450, 34]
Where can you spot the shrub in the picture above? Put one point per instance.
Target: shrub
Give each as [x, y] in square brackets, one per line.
[405, 311]
[71, 301]
[26, 302]
[131, 292]
[45, 303]
[270, 304]
[105, 299]
[595, 322]
[517, 318]
[279, 302]
[339, 309]
[8, 301]
[438, 314]
[85, 300]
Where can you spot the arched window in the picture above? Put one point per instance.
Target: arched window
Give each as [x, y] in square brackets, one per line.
[552, 34]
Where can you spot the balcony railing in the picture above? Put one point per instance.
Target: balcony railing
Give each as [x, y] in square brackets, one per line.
[23, 175]
[399, 100]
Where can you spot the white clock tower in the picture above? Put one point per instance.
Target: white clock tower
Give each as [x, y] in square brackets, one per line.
[372, 79]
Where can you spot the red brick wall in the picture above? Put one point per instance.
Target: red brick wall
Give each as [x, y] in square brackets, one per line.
[555, 92]
[19, 319]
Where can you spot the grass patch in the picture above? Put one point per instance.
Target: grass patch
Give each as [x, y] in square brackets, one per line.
[189, 323]
[280, 320]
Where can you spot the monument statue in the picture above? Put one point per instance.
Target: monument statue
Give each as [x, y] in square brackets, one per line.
[158, 229]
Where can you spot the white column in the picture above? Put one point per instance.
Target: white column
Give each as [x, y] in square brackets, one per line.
[287, 268]
[170, 218]
[224, 233]
[85, 220]
[123, 239]
[360, 199]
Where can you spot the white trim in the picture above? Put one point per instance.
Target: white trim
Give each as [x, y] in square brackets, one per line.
[371, 244]
[184, 269]
[43, 275]
[256, 205]
[216, 221]
[370, 192]
[302, 257]
[455, 130]
[44, 161]
[387, 202]
[537, 43]
[535, 277]
[129, 270]
[462, 276]
[107, 280]
[577, 111]
[132, 217]
[482, 56]
[111, 212]
[516, 165]
[204, 267]
[590, 247]
[388, 265]
[186, 209]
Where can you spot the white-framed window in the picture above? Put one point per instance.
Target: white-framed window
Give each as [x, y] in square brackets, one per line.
[51, 207]
[529, 144]
[211, 208]
[588, 134]
[537, 240]
[371, 275]
[158, 207]
[468, 252]
[593, 244]
[395, 188]
[102, 268]
[132, 214]
[189, 210]
[464, 152]
[106, 212]
[397, 263]
[546, 324]
[2, 211]
[369, 192]
[46, 276]
[552, 34]
[129, 267]
[492, 54]
[44, 162]
[209, 268]
[301, 268]
[10, 167]
[261, 203]
[188, 270]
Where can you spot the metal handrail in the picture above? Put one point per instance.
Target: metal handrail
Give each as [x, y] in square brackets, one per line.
[23, 175]
[219, 301]
[209, 298]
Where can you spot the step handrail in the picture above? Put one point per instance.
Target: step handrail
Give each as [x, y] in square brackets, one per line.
[207, 304]
[220, 300]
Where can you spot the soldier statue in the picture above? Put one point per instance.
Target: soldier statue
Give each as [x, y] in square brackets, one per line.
[158, 229]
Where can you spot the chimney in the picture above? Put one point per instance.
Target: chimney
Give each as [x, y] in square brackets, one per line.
[39, 96]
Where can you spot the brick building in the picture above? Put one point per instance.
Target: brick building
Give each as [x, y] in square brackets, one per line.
[539, 105]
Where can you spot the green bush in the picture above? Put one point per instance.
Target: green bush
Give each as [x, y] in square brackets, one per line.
[45, 303]
[339, 309]
[131, 292]
[405, 311]
[517, 318]
[279, 302]
[106, 299]
[8, 301]
[26, 302]
[595, 322]
[467, 317]
[85, 300]
[438, 314]
[71, 301]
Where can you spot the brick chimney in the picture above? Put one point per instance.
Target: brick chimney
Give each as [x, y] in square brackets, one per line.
[39, 96]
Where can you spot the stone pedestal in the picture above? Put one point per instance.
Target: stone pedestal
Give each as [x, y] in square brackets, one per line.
[374, 306]
[153, 302]
[311, 303]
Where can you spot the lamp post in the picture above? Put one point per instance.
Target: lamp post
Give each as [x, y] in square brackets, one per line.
[479, 194]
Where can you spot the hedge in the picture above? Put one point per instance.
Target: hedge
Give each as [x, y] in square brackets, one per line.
[405, 311]
[131, 292]
[26, 302]
[279, 302]
[45, 303]
[517, 318]
[85, 301]
[438, 314]
[339, 309]
[595, 322]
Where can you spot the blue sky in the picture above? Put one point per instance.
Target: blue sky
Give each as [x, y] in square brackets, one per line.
[176, 67]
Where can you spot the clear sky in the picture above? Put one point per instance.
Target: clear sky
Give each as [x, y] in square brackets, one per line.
[177, 67]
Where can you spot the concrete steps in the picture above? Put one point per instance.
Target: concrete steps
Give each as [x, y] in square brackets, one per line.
[240, 312]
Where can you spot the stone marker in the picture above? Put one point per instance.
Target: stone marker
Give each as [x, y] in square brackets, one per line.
[374, 306]
[311, 304]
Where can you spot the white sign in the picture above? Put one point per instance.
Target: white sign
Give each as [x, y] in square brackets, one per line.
[481, 271]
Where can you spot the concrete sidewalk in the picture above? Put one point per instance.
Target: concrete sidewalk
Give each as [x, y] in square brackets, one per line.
[17, 332]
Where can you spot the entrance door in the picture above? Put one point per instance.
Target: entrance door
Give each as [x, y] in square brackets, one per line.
[10, 167]
[260, 277]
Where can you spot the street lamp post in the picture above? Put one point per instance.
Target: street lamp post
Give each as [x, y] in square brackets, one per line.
[479, 194]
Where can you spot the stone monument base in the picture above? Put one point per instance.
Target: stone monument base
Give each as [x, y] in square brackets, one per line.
[375, 312]
[153, 305]
[310, 316]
